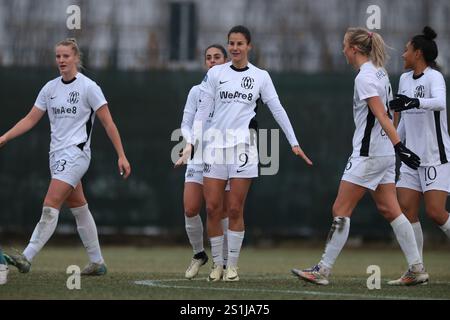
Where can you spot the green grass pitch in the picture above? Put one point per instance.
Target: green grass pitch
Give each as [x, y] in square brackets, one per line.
[158, 273]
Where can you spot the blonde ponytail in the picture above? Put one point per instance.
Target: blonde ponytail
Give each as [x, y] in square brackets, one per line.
[368, 43]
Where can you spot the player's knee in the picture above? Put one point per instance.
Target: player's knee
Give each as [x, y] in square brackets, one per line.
[192, 206]
[384, 209]
[53, 202]
[234, 212]
[75, 203]
[339, 209]
[389, 212]
[405, 206]
[191, 211]
[434, 212]
[214, 210]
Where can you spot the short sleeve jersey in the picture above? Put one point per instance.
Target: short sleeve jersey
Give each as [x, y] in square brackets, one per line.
[369, 139]
[71, 110]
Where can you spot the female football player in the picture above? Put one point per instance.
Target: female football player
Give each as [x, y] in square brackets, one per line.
[421, 100]
[372, 163]
[193, 187]
[72, 101]
[230, 91]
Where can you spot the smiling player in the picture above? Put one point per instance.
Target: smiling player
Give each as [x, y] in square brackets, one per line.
[422, 103]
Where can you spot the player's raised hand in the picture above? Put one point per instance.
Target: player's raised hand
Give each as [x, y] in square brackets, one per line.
[299, 152]
[184, 156]
[124, 167]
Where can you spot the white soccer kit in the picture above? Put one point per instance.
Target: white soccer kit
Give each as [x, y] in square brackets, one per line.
[426, 132]
[235, 93]
[426, 128]
[369, 139]
[231, 96]
[190, 109]
[71, 110]
[373, 159]
[194, 172]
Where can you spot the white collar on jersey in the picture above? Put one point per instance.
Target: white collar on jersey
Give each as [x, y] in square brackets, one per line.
[71, 80]
[418, 76]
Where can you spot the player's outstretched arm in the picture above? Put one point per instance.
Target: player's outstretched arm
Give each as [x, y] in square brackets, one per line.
[113, 133]
[24, 125]
[283, 121]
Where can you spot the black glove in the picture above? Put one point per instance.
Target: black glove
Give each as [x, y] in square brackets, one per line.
[411, 159]
[402, 102]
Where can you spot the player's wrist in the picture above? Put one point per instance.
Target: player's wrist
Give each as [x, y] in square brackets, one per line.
[417, 103]
[6, 137]
[398, 146]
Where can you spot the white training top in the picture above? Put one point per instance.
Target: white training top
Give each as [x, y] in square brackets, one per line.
[230, 96]
[71, 110]
[190, 109]
[426, 128]
[369, 139]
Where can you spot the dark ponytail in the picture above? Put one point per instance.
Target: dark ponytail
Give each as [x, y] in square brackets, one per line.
[425, 42]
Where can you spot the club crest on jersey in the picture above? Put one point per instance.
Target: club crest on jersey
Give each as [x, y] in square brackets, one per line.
[247, 83]
[74, 97]
[419, 92]
[380, 74]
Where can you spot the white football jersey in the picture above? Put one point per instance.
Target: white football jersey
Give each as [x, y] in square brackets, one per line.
[190, 109]
[426, 128]
[235, 93]
[369, 139]
[71, 110]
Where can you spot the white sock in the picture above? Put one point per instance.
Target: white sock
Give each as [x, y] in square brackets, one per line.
[217, 250]
[42, 232]
[225, 241]
[88, 233]
[337, 238]
[235, 239]
[405, 237]
[446, 227]
[194, 230]
[418, 234]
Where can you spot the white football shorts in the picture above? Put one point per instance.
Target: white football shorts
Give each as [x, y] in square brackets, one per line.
[69, 165]
[425, 178]
[369, 172]
[194, 173]
[240, 161]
